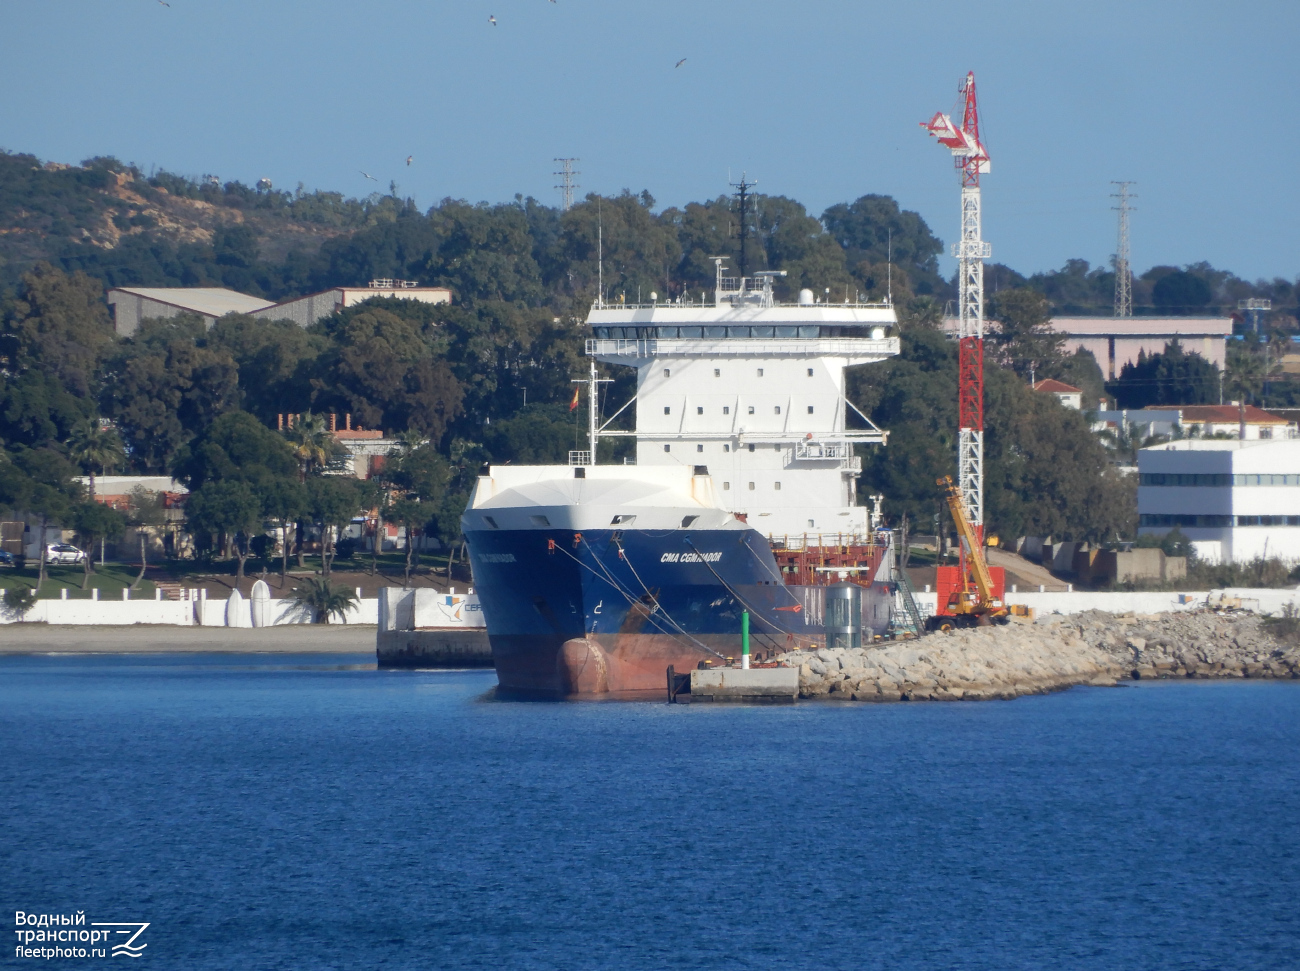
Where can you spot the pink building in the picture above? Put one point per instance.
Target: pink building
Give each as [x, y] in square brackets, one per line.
[1116, 341]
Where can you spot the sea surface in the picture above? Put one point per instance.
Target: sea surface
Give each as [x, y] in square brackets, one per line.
[312, 812]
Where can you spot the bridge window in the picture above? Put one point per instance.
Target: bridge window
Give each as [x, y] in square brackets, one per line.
[699, 448]
[726, 409]
[810, 374]
[760, 372]
[667, 410]
[668, 448]
[751, 446]
[810, 409]
[726, 447]
[726, 487]
[699, 410]
[751, 409]
[778, 410]
[776, 486]
[717, 372]
[668, 372]
[751, 487]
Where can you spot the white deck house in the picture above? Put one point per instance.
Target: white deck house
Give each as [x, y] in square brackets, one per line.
[754, 390]
[1235, 500]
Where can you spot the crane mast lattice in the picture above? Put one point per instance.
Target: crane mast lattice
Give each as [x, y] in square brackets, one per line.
[971, 160]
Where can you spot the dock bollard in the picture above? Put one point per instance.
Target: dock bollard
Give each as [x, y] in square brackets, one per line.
[744, 640]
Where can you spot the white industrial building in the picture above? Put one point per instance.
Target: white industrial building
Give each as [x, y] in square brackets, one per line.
[130, 305]
[1234, 500]
[305, 311]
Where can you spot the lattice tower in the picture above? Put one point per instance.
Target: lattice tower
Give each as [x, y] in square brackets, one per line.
[1123, 268]
[567, 186]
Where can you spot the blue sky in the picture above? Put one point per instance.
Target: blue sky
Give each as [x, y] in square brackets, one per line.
[818, 100]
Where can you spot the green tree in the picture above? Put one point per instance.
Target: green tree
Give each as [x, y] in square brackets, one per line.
[417, 480]
[311, 443]
[93, 445]
[321, 600]
[163, 387]
[236, 446]
[1174, 377]
[384, 371]
[284, 501]
[93, 522]
[230, 509]
[148, 510]
[1045, 472]
[1181, 292]
[873, 230]
[45, 482]
[1024, 340]
[333, 501]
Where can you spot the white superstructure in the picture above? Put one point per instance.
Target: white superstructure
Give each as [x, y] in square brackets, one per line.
[754, 390]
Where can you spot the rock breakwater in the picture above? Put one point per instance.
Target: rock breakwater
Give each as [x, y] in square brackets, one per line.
[1053, 653]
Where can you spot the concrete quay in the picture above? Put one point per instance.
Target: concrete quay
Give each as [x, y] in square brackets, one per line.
[746, 685]
[1054, 653]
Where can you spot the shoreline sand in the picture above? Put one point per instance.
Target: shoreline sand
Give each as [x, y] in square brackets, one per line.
[167, 639]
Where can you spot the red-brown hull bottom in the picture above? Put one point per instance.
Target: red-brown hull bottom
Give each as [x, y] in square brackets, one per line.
[618, 665]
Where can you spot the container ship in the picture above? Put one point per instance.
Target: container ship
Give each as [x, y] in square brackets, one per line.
[742, 499]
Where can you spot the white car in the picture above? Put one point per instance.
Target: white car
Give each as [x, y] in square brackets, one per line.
[63, 553]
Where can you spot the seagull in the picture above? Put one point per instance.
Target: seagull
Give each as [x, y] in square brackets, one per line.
[368, 176]
[492, 20]
[164, 3]
[680, 63]
[409, 159]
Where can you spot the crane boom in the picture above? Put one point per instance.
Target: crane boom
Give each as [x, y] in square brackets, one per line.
[986, 600]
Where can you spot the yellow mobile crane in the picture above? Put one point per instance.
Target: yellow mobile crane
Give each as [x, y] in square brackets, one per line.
[974, 603]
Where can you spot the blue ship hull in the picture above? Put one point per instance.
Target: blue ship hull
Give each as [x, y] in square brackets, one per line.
[607, 611]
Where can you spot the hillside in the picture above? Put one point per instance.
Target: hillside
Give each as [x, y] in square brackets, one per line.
[124, 227]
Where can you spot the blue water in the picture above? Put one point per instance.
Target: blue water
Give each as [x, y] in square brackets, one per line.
[294, 813]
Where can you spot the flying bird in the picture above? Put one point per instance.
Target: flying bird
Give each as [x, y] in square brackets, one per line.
[368, 176]
[492, 20]
[409, 159]
[164, 3]
[680, 63]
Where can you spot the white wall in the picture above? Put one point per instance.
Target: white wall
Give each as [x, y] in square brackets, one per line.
[1122, 602]
[184, 613]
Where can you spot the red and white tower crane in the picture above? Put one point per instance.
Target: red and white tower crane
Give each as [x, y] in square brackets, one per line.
[972, 160]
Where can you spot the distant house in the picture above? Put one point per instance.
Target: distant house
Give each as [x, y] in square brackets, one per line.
[1066, 394]
[365, 449]
[130, 305]
[1198, 421]
[305, 311]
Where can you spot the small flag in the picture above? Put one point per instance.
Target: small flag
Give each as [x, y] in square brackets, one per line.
[573, 405]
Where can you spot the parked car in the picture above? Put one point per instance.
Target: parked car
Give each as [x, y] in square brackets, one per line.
[7, 559]
[63, 553]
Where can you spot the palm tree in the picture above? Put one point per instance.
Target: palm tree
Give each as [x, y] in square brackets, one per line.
[312, 442]
[321, 599]
[92, 444]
